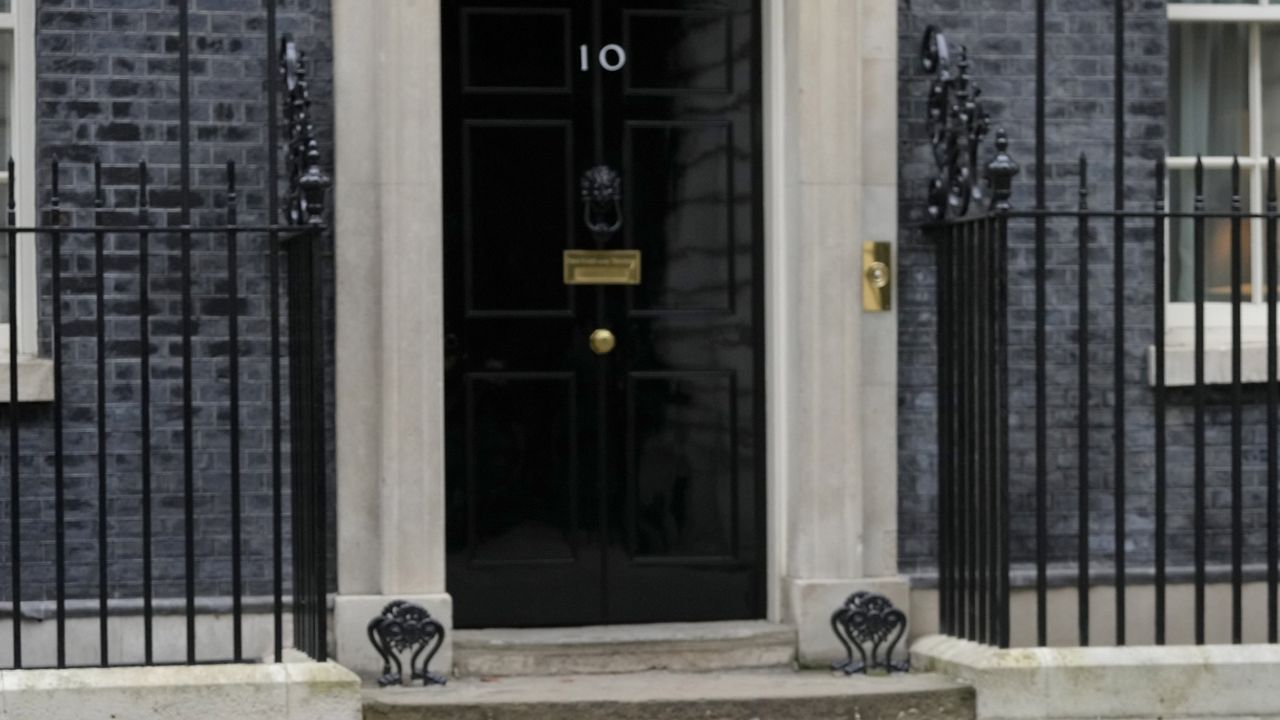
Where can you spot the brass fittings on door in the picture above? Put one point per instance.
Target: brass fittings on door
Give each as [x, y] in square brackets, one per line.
[603, 342]
[876, 276]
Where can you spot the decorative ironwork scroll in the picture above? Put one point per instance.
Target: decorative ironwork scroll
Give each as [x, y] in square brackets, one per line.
[958, 124]
[403, 625]
[308, 183]
[601, 190]
[870, 624]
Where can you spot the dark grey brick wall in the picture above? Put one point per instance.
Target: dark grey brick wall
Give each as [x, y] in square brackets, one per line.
[1080, 110]
[107, 89]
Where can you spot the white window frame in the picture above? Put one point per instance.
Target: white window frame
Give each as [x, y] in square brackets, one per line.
[20, 20]
[1180, 316]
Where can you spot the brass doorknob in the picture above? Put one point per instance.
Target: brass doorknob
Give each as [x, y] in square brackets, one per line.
[603, 342]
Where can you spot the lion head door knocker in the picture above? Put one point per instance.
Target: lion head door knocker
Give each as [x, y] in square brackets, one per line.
[401, 626]
[870, 623]
[601, 191]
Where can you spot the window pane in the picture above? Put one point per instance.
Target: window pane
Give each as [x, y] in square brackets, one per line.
[6, 5]
[1217, 238]
[1209, 98]
[1271, 89]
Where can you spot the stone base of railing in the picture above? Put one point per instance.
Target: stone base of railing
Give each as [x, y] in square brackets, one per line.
[1061, 683]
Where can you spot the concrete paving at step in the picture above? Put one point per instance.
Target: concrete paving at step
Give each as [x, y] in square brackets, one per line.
[762, 695]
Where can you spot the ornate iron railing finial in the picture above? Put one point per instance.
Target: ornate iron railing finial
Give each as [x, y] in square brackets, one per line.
[958, 123]
[308, 183]
[1000, 173]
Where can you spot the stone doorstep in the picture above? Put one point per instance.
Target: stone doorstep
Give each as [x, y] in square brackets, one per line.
[737, 695]
[623, 649]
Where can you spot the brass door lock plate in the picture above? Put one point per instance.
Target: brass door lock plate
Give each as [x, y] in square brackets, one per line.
[877, 276]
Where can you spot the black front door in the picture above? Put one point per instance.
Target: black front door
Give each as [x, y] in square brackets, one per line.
[619, 480]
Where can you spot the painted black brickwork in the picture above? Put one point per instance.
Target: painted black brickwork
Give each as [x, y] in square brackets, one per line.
[107, 89]
[1080, 110]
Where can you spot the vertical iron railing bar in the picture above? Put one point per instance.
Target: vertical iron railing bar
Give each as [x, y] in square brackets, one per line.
[99, 250]
[986, 477]
[297, 489]
[233, 340]
[959, 552]
[1082, 417]
[15, 458]
[277, 454]
[1118, 364]
[305, 478]
[1273, 417]
[1041, 421]
[971, 437]
[994, 352]
[299, 438]
[273, 216]
[959, 271]
[319, 517]
[982, 436]
[1159, 400]
[941, 295]
[1237, 398]
[993, 426]
[59, 476]
[1198, 401]
[993, 422]
[144, 406]
[188, 425]
[299, 480]
[1041, 429]
[1002, 439]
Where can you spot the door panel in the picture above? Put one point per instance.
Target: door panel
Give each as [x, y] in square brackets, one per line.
[682, 471]
[680, 203]
[628, 486]
[679, 50]
[534, 52]
[526, 421]
[514, 229]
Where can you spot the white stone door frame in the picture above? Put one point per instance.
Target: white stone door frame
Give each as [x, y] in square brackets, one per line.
[830, 83]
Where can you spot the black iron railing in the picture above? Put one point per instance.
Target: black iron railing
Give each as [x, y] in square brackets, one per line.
[147, 485]
[139, 338]
[305, 207]
[1215, 486]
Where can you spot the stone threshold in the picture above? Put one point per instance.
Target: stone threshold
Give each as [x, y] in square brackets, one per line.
[623, 648]
[745, 695]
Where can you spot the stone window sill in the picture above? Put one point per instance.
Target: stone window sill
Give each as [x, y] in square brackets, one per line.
[35, 380]
[1180, 363]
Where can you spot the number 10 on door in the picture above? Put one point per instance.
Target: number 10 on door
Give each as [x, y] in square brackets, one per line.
[611, 57]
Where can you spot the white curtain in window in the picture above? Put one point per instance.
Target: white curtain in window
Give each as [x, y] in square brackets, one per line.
[1209, 104]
